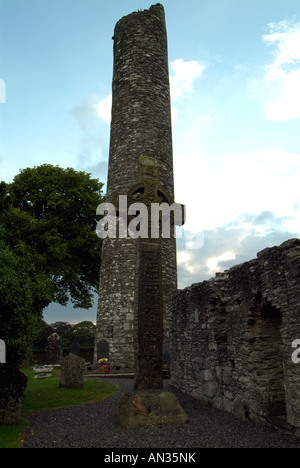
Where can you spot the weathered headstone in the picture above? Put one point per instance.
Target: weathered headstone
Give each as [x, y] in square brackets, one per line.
[72, 372]
[102, 350]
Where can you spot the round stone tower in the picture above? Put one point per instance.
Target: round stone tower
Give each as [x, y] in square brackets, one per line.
[140, 129]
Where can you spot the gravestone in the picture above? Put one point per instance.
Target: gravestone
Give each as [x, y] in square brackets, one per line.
[102, 350]
[72, 370]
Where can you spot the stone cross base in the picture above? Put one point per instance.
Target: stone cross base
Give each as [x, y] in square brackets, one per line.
[149, 408]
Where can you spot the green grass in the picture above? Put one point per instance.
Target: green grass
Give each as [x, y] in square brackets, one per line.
[44, 394]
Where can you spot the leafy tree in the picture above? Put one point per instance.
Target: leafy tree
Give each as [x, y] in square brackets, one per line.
[84, 332]
[59, 206]
[40, 335]
[24, 289]
[49, 250]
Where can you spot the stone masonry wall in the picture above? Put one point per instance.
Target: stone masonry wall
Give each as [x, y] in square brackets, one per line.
[140, 127]
[232, 338]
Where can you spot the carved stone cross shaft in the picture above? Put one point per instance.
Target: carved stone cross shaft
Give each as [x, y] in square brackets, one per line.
[149, 404]
[149, 298]
[149, 280]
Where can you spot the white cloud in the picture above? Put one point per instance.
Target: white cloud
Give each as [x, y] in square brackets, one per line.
[287, 105]
[254, 182]
[213, 263]
[232, 244]
[103, 108]
[283, 74]
[287, 38]
[184, 258]
[278, 158]
[262, 180]
[91, 110]
[182, 76]
[174, 113]
[94, 144]
[203, 118]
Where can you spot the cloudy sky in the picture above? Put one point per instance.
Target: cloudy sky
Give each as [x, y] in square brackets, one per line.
[234, 75]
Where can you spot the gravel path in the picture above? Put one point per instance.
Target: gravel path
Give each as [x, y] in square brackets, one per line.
[90, 425]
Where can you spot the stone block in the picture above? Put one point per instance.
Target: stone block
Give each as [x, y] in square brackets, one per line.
[72, 369]
[149, 408]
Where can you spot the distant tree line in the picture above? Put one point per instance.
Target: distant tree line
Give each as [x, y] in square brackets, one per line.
[83, 332]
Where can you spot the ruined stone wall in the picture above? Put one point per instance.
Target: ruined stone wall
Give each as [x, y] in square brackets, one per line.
[140, 127]
[232, 338]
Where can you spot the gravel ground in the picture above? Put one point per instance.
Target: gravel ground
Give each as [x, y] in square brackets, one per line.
[90, 426]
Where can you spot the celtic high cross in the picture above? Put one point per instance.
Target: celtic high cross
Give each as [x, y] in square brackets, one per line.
[146, 198]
